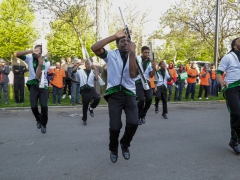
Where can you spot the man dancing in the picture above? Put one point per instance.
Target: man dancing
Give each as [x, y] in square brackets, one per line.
[120, 93]
[149, 70]
[87, 77]
[36, 64]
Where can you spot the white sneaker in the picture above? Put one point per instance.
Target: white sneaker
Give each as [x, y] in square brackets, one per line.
[69, 96]
[64, 96]
[206, 97]
[200, 98]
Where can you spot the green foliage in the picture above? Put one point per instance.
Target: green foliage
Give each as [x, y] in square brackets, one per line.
[63, 42]
[199, 18]
[16, 28]
[70, 31]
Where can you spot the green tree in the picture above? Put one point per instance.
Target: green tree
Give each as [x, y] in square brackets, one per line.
[199, 17]
[76, 15]
[63, 42]
[16, 27]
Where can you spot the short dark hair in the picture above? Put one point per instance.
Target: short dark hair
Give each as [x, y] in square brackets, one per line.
[159, 64]
[145, 48]
[233, 44]
[38, 46]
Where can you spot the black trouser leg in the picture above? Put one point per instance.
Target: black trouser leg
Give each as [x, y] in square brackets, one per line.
[206, 91]
[113, 138]
[43, 99]
[200, 91]
[164, 99]
[130, 131]
[87, 95]
[69, 84]
[158, 96]
[148, 101]
[16, 90]
[85, 104]
[34, 95]
[140, 95]
[21, 86]
[232, 96]
[116, 103]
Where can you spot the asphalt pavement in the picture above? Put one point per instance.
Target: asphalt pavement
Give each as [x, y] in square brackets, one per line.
[192, 144]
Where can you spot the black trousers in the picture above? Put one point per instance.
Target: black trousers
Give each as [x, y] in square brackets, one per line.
[232, 96]
[143, 95]
[69, 86]
[205, 88]
[87, 96]
[116, 103]
[19, 84]
[161, 94]
[41, 95]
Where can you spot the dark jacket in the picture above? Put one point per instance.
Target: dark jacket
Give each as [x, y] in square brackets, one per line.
[4, 74]
[19, 69]
[73, 75]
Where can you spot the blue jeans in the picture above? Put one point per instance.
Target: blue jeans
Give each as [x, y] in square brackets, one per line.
[178, 91]
[57, 91]
[4, 87]
[213, 87]
[75, 89]
[191, 88]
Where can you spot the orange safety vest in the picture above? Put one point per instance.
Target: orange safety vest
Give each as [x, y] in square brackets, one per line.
[152, 82]
[213, 74]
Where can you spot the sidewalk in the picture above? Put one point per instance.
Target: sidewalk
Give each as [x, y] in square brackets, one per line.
[105, 105]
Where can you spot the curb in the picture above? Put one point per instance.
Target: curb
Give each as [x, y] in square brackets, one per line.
[105, 105]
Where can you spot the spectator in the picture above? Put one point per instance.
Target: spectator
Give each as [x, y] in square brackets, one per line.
[75, 81]
[4, 71]
[191, 80]
[204, 83]
[58, 82]
[68, 83]
[173, 74]
[187, 66]
[180, 83]
[62, 61]
[213, 81]
[19, 68]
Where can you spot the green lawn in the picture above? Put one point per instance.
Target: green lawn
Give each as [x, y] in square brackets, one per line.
[67, 101]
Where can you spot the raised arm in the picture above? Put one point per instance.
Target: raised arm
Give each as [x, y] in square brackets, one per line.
[97, 48]
[133, 68]
[21, 53]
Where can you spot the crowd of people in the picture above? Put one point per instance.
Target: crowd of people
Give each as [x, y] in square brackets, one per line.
[126, 86]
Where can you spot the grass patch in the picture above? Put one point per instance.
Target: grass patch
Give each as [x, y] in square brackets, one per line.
[67, 101]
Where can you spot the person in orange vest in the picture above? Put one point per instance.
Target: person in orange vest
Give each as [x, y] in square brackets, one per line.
[152, 84]
[173, 73]
[191, 80]
[204, 83]
[188, 66]
[58, 82]
[213, 81]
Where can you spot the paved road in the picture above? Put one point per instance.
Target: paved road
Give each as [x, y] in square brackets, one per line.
[191, 144]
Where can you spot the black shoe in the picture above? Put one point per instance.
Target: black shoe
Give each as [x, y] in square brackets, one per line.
[43, 129]
[164, 116]
[125, 152]
[114, 156]
[139, 122]
[91, 112]
[156, 109]
[234, 144]
[38, 125]
[143, 120]
[84, 123]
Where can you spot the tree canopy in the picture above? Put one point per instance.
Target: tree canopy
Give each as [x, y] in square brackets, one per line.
[16, 27]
